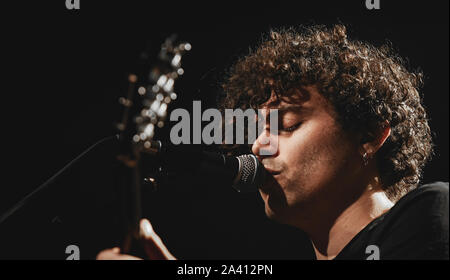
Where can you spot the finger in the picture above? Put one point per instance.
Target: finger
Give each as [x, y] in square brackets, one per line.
[103, 255]
[113, 254]
[116, 250]
[153, 245]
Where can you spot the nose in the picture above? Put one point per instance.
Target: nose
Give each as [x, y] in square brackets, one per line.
[265, 145]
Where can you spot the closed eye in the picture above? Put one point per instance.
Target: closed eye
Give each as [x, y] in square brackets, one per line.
[290, 128]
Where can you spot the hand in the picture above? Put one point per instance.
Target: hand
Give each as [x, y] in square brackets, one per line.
[153, 246]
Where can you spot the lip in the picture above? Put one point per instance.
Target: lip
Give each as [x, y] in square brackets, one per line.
[272, 172]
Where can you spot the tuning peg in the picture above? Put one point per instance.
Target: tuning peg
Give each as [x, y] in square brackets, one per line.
[142, 91]
[187, 47]
[120, 126]
[151, 182]
[154, 74]
[132, 78]
[176, 60]
[125, 102]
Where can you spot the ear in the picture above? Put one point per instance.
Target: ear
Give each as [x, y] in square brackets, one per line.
[377, 140]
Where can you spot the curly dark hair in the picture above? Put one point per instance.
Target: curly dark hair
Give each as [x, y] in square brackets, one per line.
[368, 86]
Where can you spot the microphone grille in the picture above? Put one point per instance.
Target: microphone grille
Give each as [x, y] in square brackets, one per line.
[250, 174]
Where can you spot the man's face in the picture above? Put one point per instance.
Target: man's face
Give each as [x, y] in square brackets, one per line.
[313, 160]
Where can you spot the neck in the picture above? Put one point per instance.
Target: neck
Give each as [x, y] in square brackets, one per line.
[332, 234]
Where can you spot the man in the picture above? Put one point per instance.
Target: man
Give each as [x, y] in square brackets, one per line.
[346, 161]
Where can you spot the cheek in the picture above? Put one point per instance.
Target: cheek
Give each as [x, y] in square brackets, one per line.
[314, 158]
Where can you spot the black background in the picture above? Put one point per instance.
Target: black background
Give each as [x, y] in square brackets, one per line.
[63, 71]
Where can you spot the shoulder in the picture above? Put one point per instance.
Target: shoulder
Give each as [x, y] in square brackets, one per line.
[416, 227]
[437, 189]
[418, 224]
[429, 199]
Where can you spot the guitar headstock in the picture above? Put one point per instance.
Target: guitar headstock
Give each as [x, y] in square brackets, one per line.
[147, 110]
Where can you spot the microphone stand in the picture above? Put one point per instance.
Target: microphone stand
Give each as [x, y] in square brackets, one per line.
[47, 183]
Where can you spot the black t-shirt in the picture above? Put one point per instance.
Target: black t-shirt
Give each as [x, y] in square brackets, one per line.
[416, 227]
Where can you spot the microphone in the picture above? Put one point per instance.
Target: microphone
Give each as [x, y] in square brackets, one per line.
[244, 173]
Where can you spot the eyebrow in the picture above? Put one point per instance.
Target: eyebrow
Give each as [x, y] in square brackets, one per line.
[293, 108]
[298, 109]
